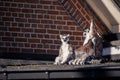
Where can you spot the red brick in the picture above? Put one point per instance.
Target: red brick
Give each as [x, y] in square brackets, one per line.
[4, 9]
[20, 45]
[7, 44]
[53, 52]
[7, 34]
[21, 39]
[77, 33]
[40, 30]
[55, 3]
[14, 44]
[27, 35]
[27, 30]
[79, 38]
[14, 14]
[57, 41]
[32, 1]
[22, 1]
[33, 6]
[46, 41]
[34, 25]
[47, 21]
[53, 26]
[45, 2]
[72, 38]
[2, 13]
[40, 16]
[27, 15]
[8, 14]
[21, 15]
[53, 12]
[66, 27]
[67, 18]
[33, 21]
[34, 35]
[2, 34]
[41, 51]
[46, 7]
[25, 50]
[46, 46]
[60, 22]
[34, 40]
[53, 31]
[39, 46]
[39, 6]
[10, 39]
[78, 5]
[74, 1]
[27, 10]
[20, 5]
[72, 28]
[81, 2]
[6, 4]
[14, 50]
[52, 47]
[59, 18]
[59, 27]
[14, 29]
[7, 19]
[46, 16]
[63, 13]
[3, 28]
[52, 7]
[26, 45]
[20, 34]
[8, 23]
[60, 8]
[40, 35]
[66, 32]
[71, 23]
[47, 36]
[33, 46]
[14, 5]
[14, 10]
[1, 43]
[40, 11]
[73, 10]
[74, 42]
[83, 11]
[20, 20]
[53, 17]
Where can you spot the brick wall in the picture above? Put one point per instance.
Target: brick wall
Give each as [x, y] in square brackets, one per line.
[33, 26]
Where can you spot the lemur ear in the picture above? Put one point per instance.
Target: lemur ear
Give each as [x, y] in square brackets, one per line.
[60, 35]
[91, 18]
[85, 27]
[68, 35]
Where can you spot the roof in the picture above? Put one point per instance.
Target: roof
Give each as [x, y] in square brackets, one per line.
[108, 11]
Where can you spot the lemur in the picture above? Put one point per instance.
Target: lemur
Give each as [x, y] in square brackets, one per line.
[92, 46]
[66, 51]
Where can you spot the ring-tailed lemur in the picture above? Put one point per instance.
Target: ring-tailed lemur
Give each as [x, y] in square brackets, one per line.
[66, 52]
[92, 46]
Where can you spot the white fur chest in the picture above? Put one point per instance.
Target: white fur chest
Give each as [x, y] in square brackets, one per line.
[65, 50]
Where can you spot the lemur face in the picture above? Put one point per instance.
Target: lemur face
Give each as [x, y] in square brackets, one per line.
[85, 32]
[65, 38]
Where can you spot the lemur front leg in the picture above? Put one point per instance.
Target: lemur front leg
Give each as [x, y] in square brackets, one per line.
[67, 58]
